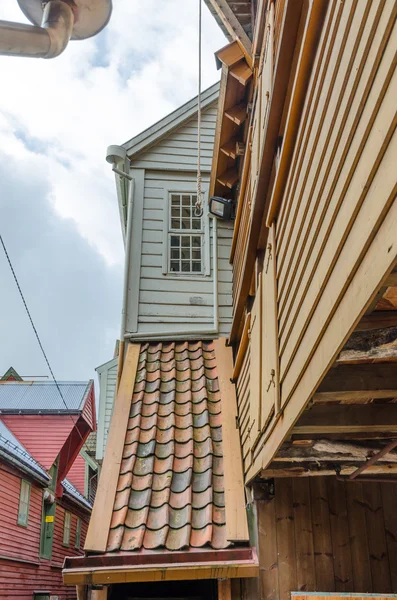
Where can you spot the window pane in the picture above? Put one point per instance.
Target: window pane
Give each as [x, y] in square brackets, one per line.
[196, 224]
[186, 266]
[175, 223]
[175, 253]
[196, 266]
[196, 241]
[24, 499]
[186, 254]
[196, 254]
[186, 200]
[175, 199]
[175, 211]
[175, 240]
[174, 265]
[185, 240]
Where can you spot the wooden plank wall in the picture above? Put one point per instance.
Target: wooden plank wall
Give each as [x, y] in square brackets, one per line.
[320, 534]
[174, 303]
[340, 186]
[243, 407]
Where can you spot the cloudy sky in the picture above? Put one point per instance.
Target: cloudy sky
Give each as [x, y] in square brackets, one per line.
[58, 207]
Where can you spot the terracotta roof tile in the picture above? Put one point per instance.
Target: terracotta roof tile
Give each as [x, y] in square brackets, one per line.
[170, 489]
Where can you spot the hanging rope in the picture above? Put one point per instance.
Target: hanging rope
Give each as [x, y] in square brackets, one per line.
[199, 200]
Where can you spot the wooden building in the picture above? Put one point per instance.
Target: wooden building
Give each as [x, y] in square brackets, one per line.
[304, 388]
[309, 102]
[43, 515]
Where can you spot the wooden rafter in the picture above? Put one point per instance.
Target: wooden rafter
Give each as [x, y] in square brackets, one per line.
[232, 26]
[348, 418]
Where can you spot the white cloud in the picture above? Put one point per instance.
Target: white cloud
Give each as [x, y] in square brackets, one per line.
[58, 207]
[102, 91]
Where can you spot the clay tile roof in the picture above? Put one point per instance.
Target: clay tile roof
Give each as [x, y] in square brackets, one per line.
[170, 492]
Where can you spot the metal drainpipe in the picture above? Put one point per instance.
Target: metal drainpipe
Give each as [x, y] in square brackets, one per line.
[47, 41]
[183, 333]
[130, 206]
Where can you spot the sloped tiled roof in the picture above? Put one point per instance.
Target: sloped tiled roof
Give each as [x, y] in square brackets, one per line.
[43, 395]
[170, 491]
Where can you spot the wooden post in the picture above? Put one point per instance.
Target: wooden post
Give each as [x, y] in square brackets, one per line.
[81, 592]
[99, 594]
[224, 589]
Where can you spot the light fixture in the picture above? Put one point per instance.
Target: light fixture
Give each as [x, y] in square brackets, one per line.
[223, 208]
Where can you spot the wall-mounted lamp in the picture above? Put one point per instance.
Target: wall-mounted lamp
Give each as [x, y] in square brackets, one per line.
[223, 208]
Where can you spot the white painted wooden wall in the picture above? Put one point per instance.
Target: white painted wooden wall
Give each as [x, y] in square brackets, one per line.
[107, 375]
[170, 303]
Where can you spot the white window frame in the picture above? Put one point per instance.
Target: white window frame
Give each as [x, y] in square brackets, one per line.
[67, 528]
[188, 187]
[24, 503]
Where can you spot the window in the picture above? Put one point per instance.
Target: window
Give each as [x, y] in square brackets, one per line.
[24, 500]
[66, 529]
[186, 235]
[78, 534]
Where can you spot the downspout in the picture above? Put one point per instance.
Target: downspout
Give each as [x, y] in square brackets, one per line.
[127, 261]
[186, 332]
[47, 41]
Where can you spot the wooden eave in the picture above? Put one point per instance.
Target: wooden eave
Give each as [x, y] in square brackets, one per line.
[234, 18]
[145, 566]
[232, 116]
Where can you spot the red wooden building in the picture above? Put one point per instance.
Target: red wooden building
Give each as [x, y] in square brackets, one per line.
[43, 515]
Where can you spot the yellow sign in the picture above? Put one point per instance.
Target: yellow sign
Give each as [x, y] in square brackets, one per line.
[49, 519]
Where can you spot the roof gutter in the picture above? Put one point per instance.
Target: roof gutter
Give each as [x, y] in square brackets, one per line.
[22, 466]
[47, 41]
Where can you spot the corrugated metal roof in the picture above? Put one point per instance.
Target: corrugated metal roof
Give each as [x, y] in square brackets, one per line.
[170, 491]
[43, 396]
[11, 445]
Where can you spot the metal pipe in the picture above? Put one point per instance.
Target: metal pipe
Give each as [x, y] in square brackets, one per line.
[200, 333]
[130, 206]
[47, 41]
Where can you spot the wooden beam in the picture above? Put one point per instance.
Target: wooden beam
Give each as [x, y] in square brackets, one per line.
[301, 471]
[237, 113]
[241, 72]
[229, 178]
[325, 450]
[99, 594]
[229, 55]
[229, 148]
[348, 418]
[233, 26]
[236, 518]
[98, 529]
[358, 381]
[161, 572]
[378, 319]
[224, 589]
[81, 592]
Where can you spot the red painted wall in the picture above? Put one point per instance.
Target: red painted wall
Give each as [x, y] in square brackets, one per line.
[19, 579]
[16, 541]
[89, 412]
[76, 473]
[42, 435]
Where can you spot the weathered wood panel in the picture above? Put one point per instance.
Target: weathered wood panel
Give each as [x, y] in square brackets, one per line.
[320, 534]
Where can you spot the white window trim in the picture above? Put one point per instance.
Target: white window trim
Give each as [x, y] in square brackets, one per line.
[26, 488]
[187, 187]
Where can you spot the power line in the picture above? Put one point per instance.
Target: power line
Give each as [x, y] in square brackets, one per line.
[38, 337]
